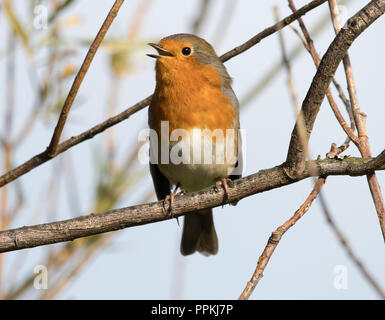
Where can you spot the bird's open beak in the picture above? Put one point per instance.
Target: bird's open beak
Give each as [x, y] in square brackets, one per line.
[162, 52]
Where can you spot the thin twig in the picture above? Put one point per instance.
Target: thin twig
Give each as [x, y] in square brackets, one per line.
[63, 281]
[309, 45]
[73, 141]
[80, 76]
[201, 16]
[224, 22]
[290, 84]
[363, 143]
[276, 236]
[346, 102]
[7, 145]
[270, 30]
[264, 80]
[335, 151]
[349, 249]
[89, 248]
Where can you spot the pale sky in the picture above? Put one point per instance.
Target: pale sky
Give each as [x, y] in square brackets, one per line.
[144, 262]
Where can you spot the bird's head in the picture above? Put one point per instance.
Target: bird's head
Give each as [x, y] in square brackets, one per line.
[186, 54]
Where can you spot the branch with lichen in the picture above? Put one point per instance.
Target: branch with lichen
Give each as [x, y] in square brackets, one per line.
[264, 180]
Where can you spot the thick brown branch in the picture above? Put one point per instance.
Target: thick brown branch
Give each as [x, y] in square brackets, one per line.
[377, 162]
[80, 76]
[264, 180]
[44, 157]
[295, 161]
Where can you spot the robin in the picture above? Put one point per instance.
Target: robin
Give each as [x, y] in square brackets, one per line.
[193, 95]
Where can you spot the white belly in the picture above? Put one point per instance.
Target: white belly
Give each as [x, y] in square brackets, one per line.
[196, 162]
[194, 177]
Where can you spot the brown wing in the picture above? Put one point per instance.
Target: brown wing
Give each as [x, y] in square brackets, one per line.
[161, 184]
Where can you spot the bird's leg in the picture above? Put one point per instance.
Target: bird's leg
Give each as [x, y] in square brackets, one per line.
[171, 198]
[181, 192]
[224, 183]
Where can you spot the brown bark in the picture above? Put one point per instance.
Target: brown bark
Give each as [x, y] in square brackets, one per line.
[264, 180]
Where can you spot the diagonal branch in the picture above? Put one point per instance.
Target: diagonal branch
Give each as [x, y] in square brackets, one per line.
[359, 118]
[349, 250]
[310, 47]
[295, 161]
[71, 142]
[44, 156]
[28, 237]
[276, 236]
[271, 30]
[80, 76]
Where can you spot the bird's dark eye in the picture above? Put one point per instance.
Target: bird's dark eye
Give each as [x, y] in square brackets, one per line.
[186, 51]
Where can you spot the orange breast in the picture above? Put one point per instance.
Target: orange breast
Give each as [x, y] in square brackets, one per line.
[190, 98]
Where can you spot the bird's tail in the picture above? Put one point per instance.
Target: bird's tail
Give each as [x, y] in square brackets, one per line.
[199, 233]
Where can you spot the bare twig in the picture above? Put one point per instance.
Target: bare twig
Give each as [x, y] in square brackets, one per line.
[276, 236]
[7, 145]
[346, 102]
[349, 249]
[62, 282]
[264, 80]
[57, 260]
[290, 84]
[224, 22]
[73, 141]
[80, 76]
[270, 30]
[335, 151]
[200, 17]
[309, 45]
[363, 143]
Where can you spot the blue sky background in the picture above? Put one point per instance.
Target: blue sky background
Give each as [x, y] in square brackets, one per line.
[144, 262]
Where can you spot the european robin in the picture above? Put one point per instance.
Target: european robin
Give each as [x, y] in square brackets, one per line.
[193, 95]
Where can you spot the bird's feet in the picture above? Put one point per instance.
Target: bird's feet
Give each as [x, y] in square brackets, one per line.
[171, 198]
[224, 183]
